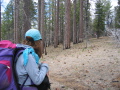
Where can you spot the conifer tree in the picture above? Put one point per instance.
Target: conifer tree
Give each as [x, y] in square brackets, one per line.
[99, 25]
[117, 15]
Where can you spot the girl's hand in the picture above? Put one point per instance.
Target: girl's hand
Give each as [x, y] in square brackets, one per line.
[44, 62]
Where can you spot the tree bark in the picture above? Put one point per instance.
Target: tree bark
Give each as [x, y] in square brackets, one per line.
[74, 24]
[42, 24]
[16, 21]
[81, 22]
[39, 14]
[67, 25]
[56, 24]
[27, 21]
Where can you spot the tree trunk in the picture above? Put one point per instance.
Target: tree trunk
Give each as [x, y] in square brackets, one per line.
[56, 24]
[27, 21]
[55, 30]
[53, 15]
[86, 23]
[42, 24]
[74, 24]
[81, 22]
[67, 25]
[49, 27]
[17, 24]
[16, 21]
[39, 14]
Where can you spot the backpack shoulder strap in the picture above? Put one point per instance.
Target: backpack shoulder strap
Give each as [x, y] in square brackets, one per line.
[16, 53]
[24, 82]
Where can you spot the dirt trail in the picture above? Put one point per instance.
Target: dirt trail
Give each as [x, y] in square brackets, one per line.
[94, 68]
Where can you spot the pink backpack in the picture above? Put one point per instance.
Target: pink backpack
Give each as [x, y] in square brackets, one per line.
[7, 44]
[8, 53]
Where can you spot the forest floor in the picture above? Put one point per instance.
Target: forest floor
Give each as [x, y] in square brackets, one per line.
[78, 68]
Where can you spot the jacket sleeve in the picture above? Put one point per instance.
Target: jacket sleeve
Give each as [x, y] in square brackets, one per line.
[36, 74]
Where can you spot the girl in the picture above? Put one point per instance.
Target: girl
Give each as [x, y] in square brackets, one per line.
[29, 70]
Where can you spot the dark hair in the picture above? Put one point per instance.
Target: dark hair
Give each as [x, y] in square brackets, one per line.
[37, 46]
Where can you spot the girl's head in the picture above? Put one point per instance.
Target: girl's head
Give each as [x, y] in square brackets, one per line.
[33, 38]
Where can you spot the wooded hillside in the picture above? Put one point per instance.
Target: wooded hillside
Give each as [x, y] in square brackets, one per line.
[59, 21]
